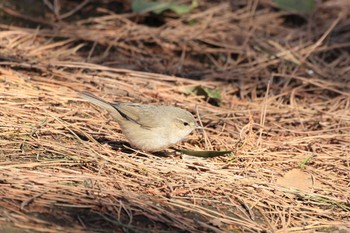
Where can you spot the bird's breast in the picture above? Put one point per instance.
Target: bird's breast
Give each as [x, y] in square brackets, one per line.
[154, 139]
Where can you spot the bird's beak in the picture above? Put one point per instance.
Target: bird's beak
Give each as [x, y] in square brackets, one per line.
[198, 126]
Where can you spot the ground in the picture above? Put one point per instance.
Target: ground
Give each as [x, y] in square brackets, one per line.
[268, 85]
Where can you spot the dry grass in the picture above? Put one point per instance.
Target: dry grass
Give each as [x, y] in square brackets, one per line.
[64, 166]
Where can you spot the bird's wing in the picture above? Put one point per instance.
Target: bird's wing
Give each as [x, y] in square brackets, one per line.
[147, 116]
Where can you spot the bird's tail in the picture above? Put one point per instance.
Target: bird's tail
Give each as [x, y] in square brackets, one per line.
[101, 103]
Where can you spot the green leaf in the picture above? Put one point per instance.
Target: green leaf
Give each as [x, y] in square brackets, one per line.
[213, 96]
[157, 7]
[205, 153]
[143, 6]
[303, 163]
[300, 6]
[183, 9]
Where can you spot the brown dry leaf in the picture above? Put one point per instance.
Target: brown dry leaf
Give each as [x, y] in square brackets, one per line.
[216, 222]
[297, 179]
[180, 191]
[154, 191]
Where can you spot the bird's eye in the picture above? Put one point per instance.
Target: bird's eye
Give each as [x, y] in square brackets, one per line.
[186, 124]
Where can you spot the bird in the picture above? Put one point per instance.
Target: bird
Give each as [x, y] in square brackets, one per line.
[148, 127]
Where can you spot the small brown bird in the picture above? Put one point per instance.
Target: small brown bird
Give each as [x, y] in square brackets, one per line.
[148, 127]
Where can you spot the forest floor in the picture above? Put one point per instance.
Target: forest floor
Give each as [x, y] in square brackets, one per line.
[271, 86]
